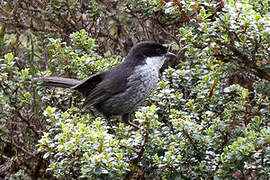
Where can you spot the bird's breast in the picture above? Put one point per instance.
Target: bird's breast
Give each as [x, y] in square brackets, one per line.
[140, 84]
[142, 81]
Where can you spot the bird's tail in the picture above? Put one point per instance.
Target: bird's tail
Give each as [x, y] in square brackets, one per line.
[58, 82]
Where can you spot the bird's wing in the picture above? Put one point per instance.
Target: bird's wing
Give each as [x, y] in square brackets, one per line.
[90, 83]
[113, 83]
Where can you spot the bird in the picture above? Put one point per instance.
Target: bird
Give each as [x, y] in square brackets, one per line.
[120, 90]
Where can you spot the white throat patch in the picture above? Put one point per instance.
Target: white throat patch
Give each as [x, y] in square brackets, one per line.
[155, 62]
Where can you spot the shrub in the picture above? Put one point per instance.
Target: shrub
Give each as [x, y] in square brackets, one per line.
[208, 118]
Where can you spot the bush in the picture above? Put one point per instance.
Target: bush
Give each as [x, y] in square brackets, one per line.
[208, 118]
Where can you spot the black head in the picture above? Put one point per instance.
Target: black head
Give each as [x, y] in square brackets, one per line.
[147, 49]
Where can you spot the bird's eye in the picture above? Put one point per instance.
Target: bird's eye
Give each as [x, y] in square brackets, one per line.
[161, 51]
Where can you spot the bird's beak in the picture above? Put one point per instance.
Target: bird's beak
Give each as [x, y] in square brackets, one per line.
[169, 54]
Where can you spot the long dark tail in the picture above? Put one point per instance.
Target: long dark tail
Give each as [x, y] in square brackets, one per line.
[58, 82]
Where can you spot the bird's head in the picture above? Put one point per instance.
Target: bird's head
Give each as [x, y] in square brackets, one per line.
[148, 52]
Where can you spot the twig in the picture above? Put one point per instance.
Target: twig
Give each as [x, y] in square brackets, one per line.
[183, 13]
[243, 58]
[192, 143]
[24, 120]
[212, 88]
[18, 147]
[140, 153]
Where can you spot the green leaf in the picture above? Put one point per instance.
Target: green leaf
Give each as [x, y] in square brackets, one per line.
[244, 93]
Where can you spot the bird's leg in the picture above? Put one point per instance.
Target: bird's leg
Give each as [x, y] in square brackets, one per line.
[109, 122]
[126, 118]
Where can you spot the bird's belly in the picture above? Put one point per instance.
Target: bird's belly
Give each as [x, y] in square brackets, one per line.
[140, 85]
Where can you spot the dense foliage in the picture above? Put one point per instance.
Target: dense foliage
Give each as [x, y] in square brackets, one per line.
[208, 119]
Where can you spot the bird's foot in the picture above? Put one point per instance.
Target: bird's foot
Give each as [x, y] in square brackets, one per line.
[126, 120]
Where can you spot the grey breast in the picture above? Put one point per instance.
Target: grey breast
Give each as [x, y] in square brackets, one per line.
[140, 85]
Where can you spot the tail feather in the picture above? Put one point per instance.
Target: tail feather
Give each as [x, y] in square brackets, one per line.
[58, 82]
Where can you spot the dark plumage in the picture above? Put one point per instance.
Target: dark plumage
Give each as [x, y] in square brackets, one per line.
[121, 89]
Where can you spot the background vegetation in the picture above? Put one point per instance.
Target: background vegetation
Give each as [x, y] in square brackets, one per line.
[208, 119]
